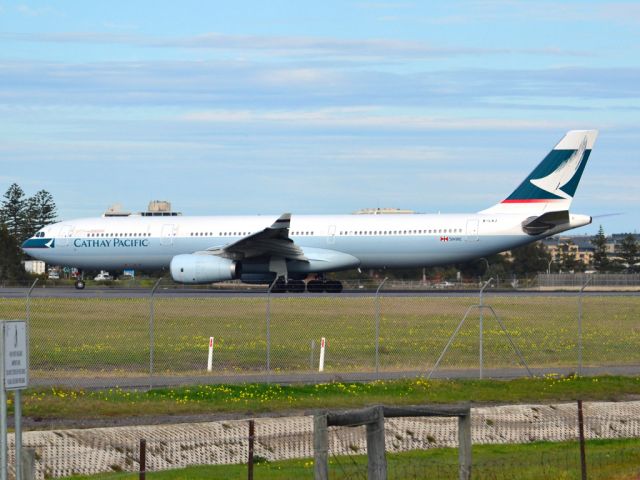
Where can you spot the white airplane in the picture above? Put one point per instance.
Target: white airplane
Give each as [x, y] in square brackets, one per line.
[290, 248]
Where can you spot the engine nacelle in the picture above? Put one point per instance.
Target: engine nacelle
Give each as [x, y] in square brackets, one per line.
[190, 268]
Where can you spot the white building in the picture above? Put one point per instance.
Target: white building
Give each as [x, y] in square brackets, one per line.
[37, 267]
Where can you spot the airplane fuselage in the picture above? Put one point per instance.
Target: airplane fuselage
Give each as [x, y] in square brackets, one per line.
[394, 241]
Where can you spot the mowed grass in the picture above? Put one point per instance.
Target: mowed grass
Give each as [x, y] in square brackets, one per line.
[251, 399]
[606, 460]
[107, 337]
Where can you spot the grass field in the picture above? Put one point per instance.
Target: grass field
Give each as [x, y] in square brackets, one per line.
[606, 460]
[107, 337]
[251, 399]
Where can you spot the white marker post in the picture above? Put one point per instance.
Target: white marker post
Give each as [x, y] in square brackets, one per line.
[322, 343]
[210, 360]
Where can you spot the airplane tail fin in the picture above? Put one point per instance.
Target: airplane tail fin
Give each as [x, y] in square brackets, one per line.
[553, 183]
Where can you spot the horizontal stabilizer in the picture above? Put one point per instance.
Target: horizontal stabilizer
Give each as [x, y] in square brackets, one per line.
[545, 222]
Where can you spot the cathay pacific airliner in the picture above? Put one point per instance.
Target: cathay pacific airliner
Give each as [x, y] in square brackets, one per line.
[289, 249]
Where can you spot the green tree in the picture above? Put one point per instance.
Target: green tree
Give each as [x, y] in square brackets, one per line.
[40, 210]
[530, 258]
[629, 252]
[10, 257]
[600, 260]
[12, 211]
[567, 259]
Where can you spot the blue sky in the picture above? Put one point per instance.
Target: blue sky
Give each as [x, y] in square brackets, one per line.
[316, 107]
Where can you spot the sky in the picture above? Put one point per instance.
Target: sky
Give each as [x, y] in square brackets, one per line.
[254, 107]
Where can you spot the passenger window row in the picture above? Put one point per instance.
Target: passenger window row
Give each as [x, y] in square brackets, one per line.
[402, 232]
[118, 235]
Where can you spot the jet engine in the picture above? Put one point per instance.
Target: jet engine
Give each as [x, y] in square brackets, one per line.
[190, 268]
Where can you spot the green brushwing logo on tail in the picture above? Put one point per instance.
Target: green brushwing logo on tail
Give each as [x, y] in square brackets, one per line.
[555, 178]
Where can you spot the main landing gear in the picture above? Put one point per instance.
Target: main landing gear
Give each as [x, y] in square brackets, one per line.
[319, 286]
[293, 286]
[312, 286]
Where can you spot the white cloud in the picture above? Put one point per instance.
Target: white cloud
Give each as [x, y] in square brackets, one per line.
[31, 11]
[380, 49]
[367, 118]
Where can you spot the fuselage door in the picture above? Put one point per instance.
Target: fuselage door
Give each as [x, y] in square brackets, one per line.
[166, 237]
[331, 235]
[472, 230]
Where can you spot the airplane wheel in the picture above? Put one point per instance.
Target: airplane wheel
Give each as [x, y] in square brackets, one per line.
[295, 286]
[279, 287]
[315, 286]
[333, 286]
[79, 284]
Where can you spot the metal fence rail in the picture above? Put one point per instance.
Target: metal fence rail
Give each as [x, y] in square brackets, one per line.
[596, 280]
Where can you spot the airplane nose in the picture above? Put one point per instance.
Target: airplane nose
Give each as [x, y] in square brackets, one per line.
[29, 243]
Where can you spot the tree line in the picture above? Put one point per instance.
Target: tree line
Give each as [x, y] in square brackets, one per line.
[20, 218]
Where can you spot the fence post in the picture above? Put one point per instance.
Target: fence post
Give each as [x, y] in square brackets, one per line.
[143, 459]
[481, 339]
[320, 447]
[583, 457]
[377, 467]
[152, 329]
[580, 325]
[28, 464]
[33, 285]
[251, 440]
[378, 326]
[464, 446]
[269, 329]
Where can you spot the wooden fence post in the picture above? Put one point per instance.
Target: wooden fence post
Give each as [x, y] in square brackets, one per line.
[252, 430]
[583, 456]
[143, 459]
[377, 468]
[464, 446]
[320, 447]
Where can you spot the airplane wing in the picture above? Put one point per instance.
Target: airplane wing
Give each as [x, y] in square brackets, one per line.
[273, 241]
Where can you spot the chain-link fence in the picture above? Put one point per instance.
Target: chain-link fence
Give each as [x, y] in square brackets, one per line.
[121, 337]
[525, 441]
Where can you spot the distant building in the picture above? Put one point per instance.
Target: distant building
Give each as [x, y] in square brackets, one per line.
[614, 242]
[156, 208]
[381, 211]
[115, 210]
[36, 267]
[579, 246]
[582, 246]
